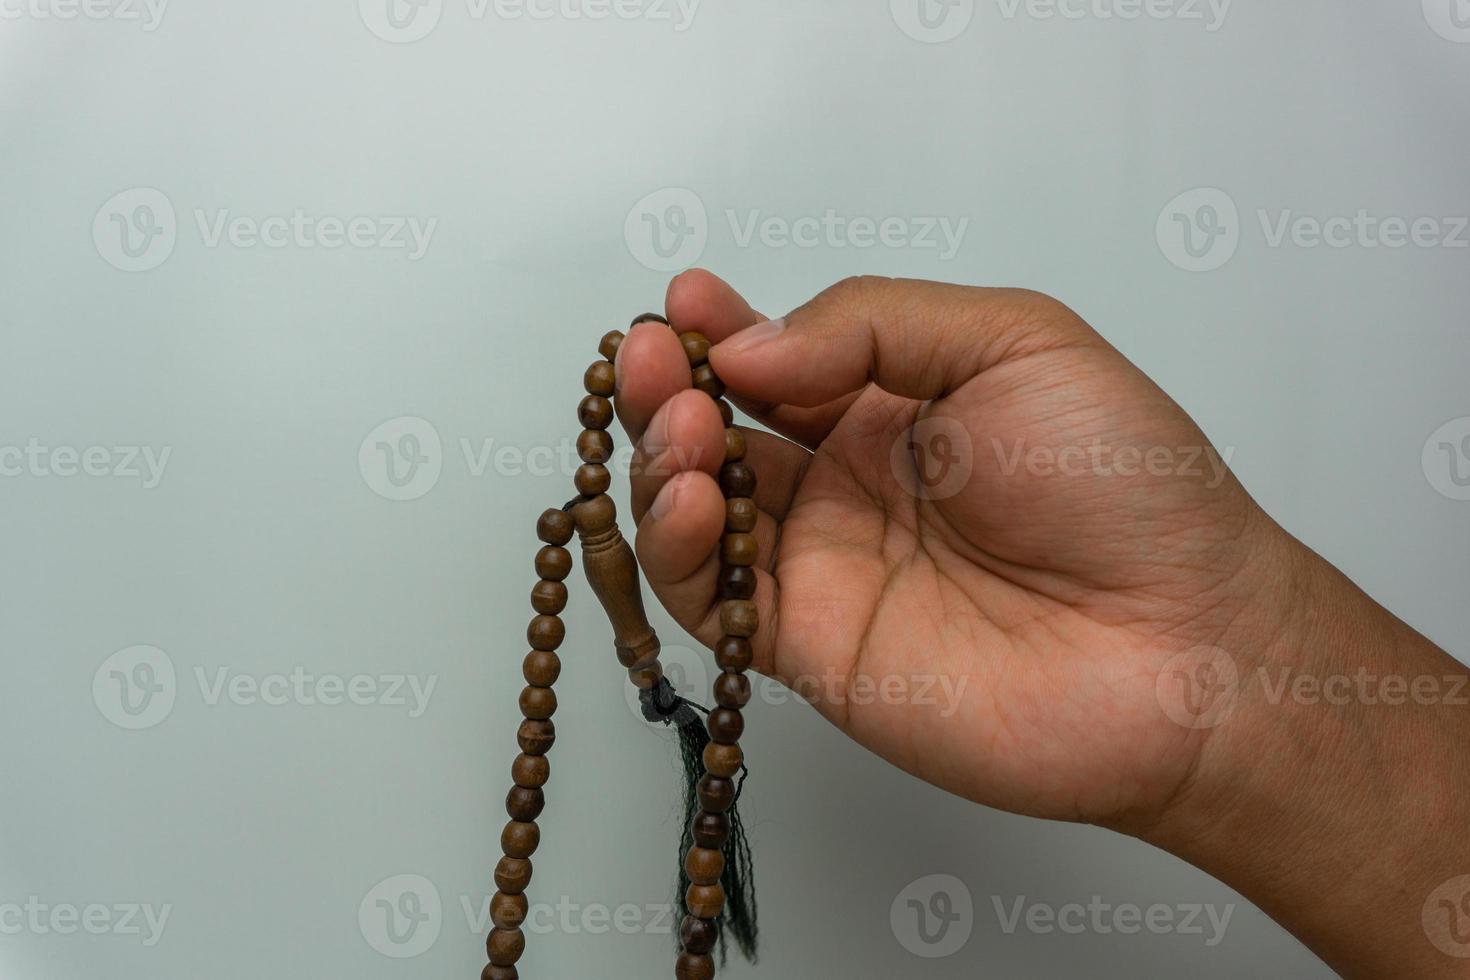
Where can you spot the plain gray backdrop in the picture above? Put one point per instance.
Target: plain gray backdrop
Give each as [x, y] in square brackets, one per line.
[206, 252]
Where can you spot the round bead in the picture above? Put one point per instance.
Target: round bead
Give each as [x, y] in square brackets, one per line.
[705, 901]
[737, 480]
[541, 668]
[710, 829]
[732, 690]
[496, 972]
[555, 526]
[553, 563]
[740, 514]
[548, 598]
[727, 414]
[508, 911]
[599, 379]
[708, 382]
[698, 936]
[592, 479]
[716, 793]
[722, 760]
[644, 678]
[649, 318]
[611, 341]
[536, 736]
[738, 617]
[738, 548]
[538, 702]
[696, 347]
[505, 946]
[594, 446]
[737, 582]
[595, 412]
[525, 803]
[546, 632]
[726, 725]
[733, 653]
[734, 445]
[512, 875]
[704, 865]
[520, 838]
[694, 966]
[530, 771]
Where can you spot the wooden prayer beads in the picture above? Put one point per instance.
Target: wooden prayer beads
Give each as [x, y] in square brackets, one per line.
[612, 572]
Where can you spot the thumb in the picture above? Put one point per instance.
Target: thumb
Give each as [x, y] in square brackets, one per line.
[912, 338]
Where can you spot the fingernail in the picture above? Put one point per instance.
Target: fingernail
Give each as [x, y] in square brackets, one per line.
[753, 336]
[664, 503]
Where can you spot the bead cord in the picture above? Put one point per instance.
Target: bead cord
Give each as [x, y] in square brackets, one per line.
[715, 874]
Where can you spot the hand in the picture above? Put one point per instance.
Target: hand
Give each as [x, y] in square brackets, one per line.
[1078, 578]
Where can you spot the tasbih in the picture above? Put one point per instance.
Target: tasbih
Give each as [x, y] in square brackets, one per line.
[715, 876]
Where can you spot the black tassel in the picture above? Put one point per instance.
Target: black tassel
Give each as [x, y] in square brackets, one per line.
[662, 704]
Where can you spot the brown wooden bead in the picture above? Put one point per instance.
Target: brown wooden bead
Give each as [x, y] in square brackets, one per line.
[595, 515]
[708, 382]
[505, 946]
[536, 736]
[694, 966]
[553, 563]
[512, 875]
[538, 702]
[644, 678]
[520, 838]
[710, 829]
[733, 653]
[737, 582]
[526, 803]
[649, 317]
[704, 865]
[595, 412]
[740, 514]
[548, 598]
[496, 972]
[600, 378]
[508, 911]
[555, 526]
[738, 617]
[705, 901]
[716, 793]
[738, 548]
[726, 725]
[734, 445]
[722, 760]
[696, 347]
[592, 479]
[737, 480]
[530, 771]
[594, 446]
[611, 341]
[546, 632]
[541, 668]
[732, 690]
[727, 414]
[698, 936]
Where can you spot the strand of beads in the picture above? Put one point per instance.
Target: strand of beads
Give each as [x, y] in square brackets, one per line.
[705, 863]
[530, 771]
